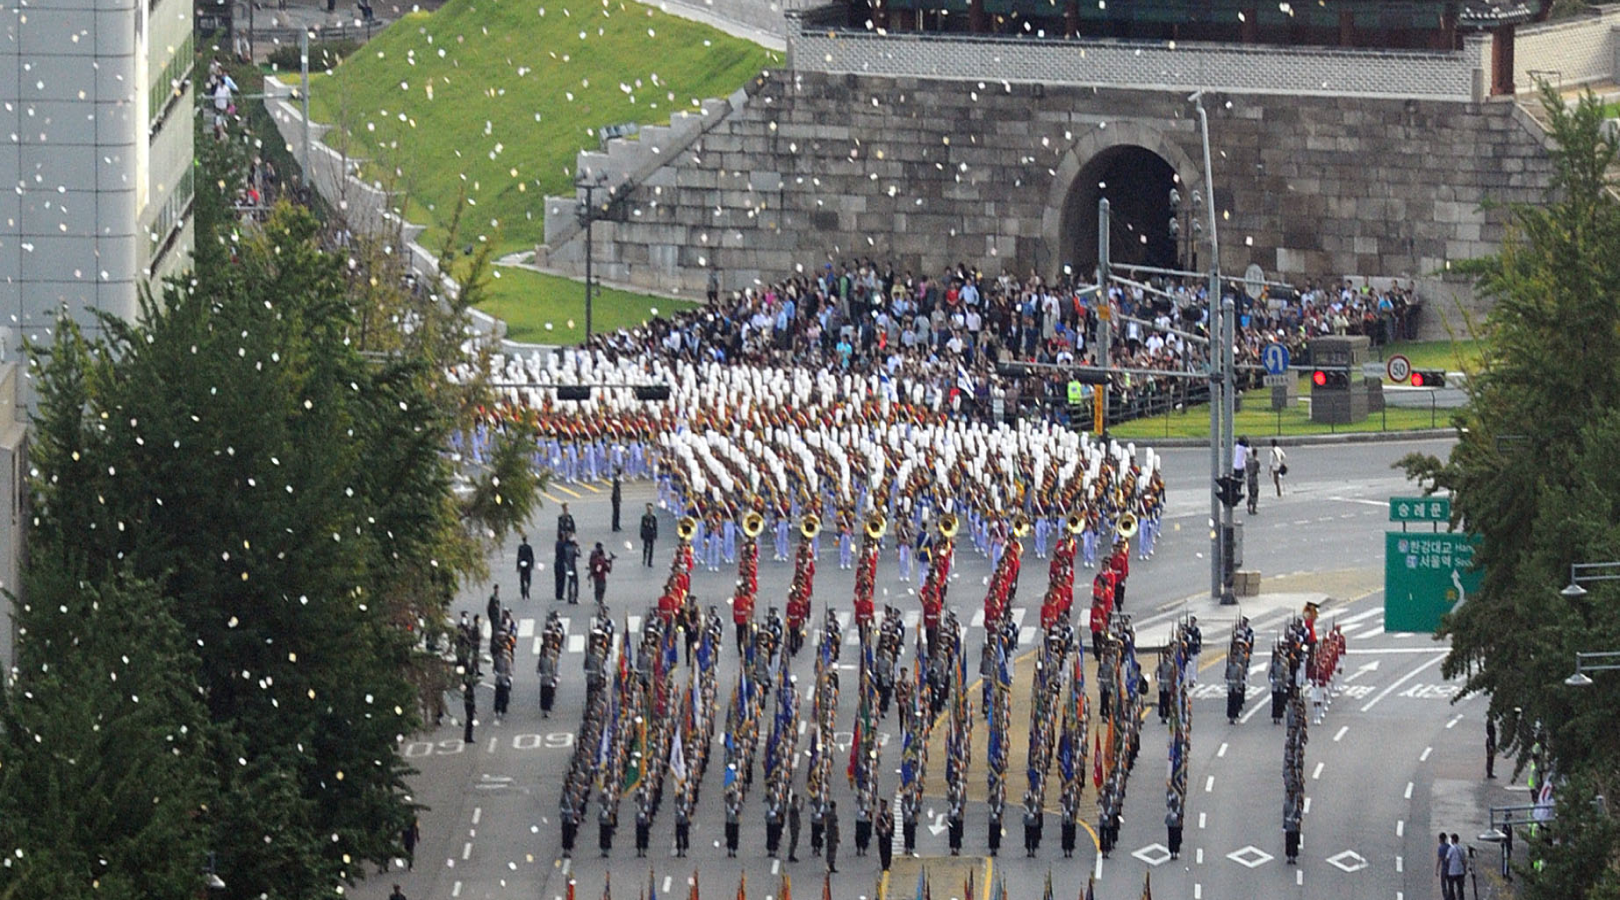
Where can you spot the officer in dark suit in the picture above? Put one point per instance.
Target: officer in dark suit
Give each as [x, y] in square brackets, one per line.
[565, 523]
[649, 535]
[525, 564]
[616, 497]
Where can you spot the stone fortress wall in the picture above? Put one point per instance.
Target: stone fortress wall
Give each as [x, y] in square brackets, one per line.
[1326, 163]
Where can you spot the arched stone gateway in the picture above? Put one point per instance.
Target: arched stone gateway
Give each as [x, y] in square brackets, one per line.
[1133, 165]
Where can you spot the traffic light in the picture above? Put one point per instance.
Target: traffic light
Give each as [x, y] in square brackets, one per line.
[652, 392]
[1087, 375]
[1429, 378]
[1230, 489]
[1331, 379]
[573, 392]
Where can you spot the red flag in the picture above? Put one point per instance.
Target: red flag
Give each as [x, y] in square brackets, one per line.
[854, 750]
[826, 886]
[742, 887]
[694, 894]
[570, 887]
[1096, 764]
[787, 887]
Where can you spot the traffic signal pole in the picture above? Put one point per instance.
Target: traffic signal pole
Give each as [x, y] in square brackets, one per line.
[1103, 342]
[1221, 376]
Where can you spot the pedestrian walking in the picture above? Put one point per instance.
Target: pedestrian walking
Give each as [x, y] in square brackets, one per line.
[649, 535]
[1490, 748]
[568, 562]
[469, 702]
[410, 836]
[525, 565]
[885, 834]
[1441, 864]
[795, 809]
[615, 498]
[493, 609]
[1252, 471]
[1278, 465]
[503, 694]
[953, 829]
[832, 836]
[601, 564]
[1457, 868]
[397, 894]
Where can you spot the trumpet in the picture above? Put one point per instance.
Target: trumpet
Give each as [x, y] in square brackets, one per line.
[1127, 526]
[948, 526]
[810, 525]
[876, 525]
[1020, 525]
[753, 523]
[686, 528]
[1076, 522]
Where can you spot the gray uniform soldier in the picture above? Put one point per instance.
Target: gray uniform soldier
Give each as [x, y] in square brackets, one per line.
[548, 683]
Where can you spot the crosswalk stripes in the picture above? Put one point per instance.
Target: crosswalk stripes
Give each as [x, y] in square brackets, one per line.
[525, 628]
[576, 643]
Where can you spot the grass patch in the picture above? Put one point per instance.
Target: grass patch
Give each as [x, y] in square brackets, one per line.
[1453, 356]
[1257, 420]
[529, 301]
[497, 96]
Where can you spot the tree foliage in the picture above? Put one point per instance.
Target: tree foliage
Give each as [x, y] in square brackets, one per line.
[1533, 472]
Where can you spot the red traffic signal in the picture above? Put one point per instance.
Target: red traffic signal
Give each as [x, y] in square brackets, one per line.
[1319, 378]
[1331, 379]
[1431, 378]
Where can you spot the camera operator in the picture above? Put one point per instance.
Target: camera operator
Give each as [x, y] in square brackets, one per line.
[601, 563]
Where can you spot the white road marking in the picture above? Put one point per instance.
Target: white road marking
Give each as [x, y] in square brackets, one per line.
[1358, 617]
[1200, 855]
[1026, 635]
[576, 643]
[1409, 790]
[1209, 784]
[1384, 504]
[1381, 651]
[1400, 865]
[1340, 736]
[1400, 827]
[978, 619]
[478, 813]
[1221, 752]
[1198, 892]
[1454, 720]
[776, 869]
[1425, 756]
[455, 890]
[912, 617]
[1018, 616]
[634, 626]
[466, 851]
[1299, 877]
[667, 881]
[1318, 773]
[1252, 713]
[1307, 806]
[525, 628]
[1201, 823]
[492, 744]
[1440, 655]
[537, 646]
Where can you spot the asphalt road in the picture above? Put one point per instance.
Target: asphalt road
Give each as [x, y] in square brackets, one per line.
[1393, 761]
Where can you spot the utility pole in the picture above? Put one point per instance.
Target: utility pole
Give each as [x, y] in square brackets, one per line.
[1105, 314]
[1222, 382]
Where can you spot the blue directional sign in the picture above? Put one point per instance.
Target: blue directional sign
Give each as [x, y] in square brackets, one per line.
[1275, 359]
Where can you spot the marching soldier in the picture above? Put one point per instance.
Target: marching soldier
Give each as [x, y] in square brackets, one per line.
[885, 834]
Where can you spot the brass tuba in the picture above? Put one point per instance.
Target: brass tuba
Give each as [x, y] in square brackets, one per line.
[1127, 526]
[876, 525]
[686, 528]
[1020, 525]
[810, 525]
[1076, 522]
[753, 523]
[948, 526]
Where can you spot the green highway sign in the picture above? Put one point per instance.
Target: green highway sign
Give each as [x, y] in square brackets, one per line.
[1425, 577]
[1420, 509]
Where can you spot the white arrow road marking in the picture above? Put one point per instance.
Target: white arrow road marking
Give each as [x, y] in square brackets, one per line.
[938, 827]
[1371, 666]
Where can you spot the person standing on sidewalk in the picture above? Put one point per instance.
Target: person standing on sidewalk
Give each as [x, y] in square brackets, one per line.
[525, 565]
[410, 837]
[1490, 748]
[469, 702]
[1441, 861]
[565, 523]
[1252, 471]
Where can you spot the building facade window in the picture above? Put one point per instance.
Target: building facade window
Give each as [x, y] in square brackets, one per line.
[170, 85]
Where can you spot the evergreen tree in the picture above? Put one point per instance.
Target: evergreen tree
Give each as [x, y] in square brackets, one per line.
[1533, 474]
[104, 772]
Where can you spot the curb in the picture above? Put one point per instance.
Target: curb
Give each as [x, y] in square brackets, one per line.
[1309, 440]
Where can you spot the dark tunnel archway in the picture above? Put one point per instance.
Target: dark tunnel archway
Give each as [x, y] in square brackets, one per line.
[1137, 183]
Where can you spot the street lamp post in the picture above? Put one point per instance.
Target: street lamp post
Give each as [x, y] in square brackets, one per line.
[588, 214]
[1598, 571]
[1602, 661]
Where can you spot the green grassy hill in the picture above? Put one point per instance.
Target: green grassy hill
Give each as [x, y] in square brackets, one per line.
[497, 96]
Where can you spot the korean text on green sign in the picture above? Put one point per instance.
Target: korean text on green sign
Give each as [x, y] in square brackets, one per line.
[1425, 577]
[1420, 509]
